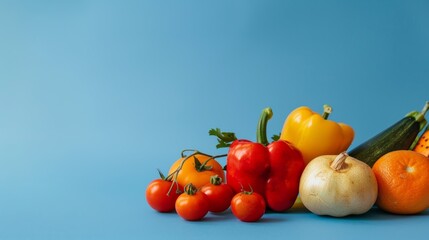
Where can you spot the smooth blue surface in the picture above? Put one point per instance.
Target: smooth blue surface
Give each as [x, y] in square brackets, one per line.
[96, 95]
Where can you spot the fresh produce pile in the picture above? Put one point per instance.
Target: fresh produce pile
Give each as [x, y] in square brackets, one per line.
[307, 165]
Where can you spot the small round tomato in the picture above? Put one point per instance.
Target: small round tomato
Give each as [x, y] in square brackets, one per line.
[192, 205]
[161, 194]
[248, 206]
[196, 169]
[218, 193]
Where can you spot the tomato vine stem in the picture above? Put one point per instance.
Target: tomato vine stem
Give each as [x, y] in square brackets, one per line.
[174, 175]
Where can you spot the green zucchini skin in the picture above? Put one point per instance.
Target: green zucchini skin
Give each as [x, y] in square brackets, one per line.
[399, 136]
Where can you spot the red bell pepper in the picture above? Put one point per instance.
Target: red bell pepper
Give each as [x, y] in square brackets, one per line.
[272, 170]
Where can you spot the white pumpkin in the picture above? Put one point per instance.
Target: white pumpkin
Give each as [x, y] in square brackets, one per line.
[338, 185]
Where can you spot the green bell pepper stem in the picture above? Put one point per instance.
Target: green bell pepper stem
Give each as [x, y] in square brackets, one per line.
[326, 111]
[261, 130]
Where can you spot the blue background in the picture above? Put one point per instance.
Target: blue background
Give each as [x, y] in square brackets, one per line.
[96, 95]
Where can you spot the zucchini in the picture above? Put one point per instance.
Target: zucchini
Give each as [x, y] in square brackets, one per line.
[399, 136]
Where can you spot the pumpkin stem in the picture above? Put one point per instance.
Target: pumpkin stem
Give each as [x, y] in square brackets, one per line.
[338, 162]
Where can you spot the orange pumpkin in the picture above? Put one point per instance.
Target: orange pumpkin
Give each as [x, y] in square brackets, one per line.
[422, 145]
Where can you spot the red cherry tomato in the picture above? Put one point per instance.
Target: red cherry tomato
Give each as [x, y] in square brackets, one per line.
[248, 206]
[192, 205]
[218, 193]
[161, 194]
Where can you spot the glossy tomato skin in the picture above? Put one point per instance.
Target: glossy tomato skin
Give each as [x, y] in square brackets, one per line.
[192, 207]
[248, 207]
[157, 195]
[219, 196]
[189, 174]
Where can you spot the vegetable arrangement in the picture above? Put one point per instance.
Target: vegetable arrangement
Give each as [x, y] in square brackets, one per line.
[399, 136]
[309, 158]
[305, 129]
[272, 170]
[338, 185]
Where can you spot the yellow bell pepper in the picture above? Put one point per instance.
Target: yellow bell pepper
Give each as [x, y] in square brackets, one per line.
[314, 135]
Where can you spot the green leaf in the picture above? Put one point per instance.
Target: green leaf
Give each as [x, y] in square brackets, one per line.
[275, 137]
[161, 175]
[224, 138]
[214, 132]
[200, 167]
[222, 144]
[197, 163]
